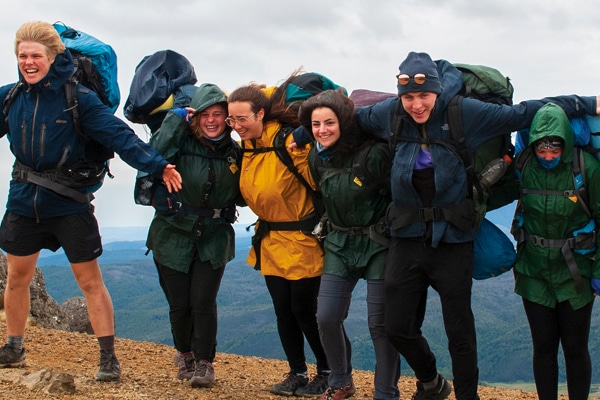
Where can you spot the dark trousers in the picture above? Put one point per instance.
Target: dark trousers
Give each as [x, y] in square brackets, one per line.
[335, 296]
[192, 301]
[570, 328]
[411, 267]
[295, 304]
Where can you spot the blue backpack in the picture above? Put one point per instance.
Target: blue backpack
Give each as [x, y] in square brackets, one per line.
[494, 253]
[101, 75]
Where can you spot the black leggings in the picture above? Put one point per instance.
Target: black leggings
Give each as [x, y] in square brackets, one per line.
[570, 328]
[192, 298]
[295, 304]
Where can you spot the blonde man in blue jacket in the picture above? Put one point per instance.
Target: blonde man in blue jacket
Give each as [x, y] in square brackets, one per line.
[43, 138]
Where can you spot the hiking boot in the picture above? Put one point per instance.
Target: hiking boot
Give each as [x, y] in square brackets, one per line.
[315, 387]
[339, 393]
[440, 392]
[185, 364]
[204, 374]
[11, 357]
[290, 384]
[110, 369]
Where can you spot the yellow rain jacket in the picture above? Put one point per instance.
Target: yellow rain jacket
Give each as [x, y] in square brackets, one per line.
[274, 194]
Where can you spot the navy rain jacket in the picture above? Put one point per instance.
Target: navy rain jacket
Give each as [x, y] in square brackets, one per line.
[41, 131]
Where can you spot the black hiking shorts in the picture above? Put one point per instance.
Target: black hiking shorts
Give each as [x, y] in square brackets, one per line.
[77, 234]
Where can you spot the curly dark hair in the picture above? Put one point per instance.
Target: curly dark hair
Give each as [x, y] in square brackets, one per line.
[351, 137]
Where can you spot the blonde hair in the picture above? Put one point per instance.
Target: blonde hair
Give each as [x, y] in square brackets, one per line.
[40, 32]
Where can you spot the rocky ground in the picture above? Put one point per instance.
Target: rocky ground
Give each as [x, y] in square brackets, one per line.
[148, 373]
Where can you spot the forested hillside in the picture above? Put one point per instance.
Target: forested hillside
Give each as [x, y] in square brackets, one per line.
[247, 321]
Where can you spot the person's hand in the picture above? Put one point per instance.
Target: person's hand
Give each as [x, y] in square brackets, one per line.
[596, 286]
[184, 113]
[304, 137]
[171, 178]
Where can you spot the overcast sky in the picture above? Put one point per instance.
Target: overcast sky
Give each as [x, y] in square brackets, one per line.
[546, 47]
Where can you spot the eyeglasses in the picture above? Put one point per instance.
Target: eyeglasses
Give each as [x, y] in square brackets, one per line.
[240, 120]
[419, 79]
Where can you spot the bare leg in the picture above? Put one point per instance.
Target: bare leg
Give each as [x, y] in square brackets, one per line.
[17, 300]
[99, 304]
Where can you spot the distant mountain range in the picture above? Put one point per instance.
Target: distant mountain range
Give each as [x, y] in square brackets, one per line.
[247, 322]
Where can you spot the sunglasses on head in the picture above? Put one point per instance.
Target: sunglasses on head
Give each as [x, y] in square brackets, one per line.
[419, 79]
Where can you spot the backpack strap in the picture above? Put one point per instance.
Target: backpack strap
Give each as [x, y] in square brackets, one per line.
[10, 98]
[396, 127]
[284, 156]
[579, 179]
[73, 104]
[460, 215]
[47, 179]
[457, 132]
[306, 225]
[280, 150]
[358, 168]
[578, 172]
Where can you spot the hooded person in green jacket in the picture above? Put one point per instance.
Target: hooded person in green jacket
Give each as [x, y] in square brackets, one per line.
[558, 294]
[191, 236]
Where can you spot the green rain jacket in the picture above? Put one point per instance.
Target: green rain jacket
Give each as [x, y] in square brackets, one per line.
[351, 203]
[541, 273]
[210, 181]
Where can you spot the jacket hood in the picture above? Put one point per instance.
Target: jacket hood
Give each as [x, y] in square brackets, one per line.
[208, 95]
[60, 70]
[551, 120]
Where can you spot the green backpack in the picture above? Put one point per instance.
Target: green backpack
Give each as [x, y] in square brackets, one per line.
[491, 187]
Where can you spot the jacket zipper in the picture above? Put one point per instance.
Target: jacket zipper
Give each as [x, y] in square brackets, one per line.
[37, 99]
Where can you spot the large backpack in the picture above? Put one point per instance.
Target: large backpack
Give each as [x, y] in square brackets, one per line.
[157, 77]
[103, 59]
[95, 68]
[492, 157]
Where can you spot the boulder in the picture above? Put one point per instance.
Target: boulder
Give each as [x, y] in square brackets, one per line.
[45, 311]
[49, 382]
[75, 310]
